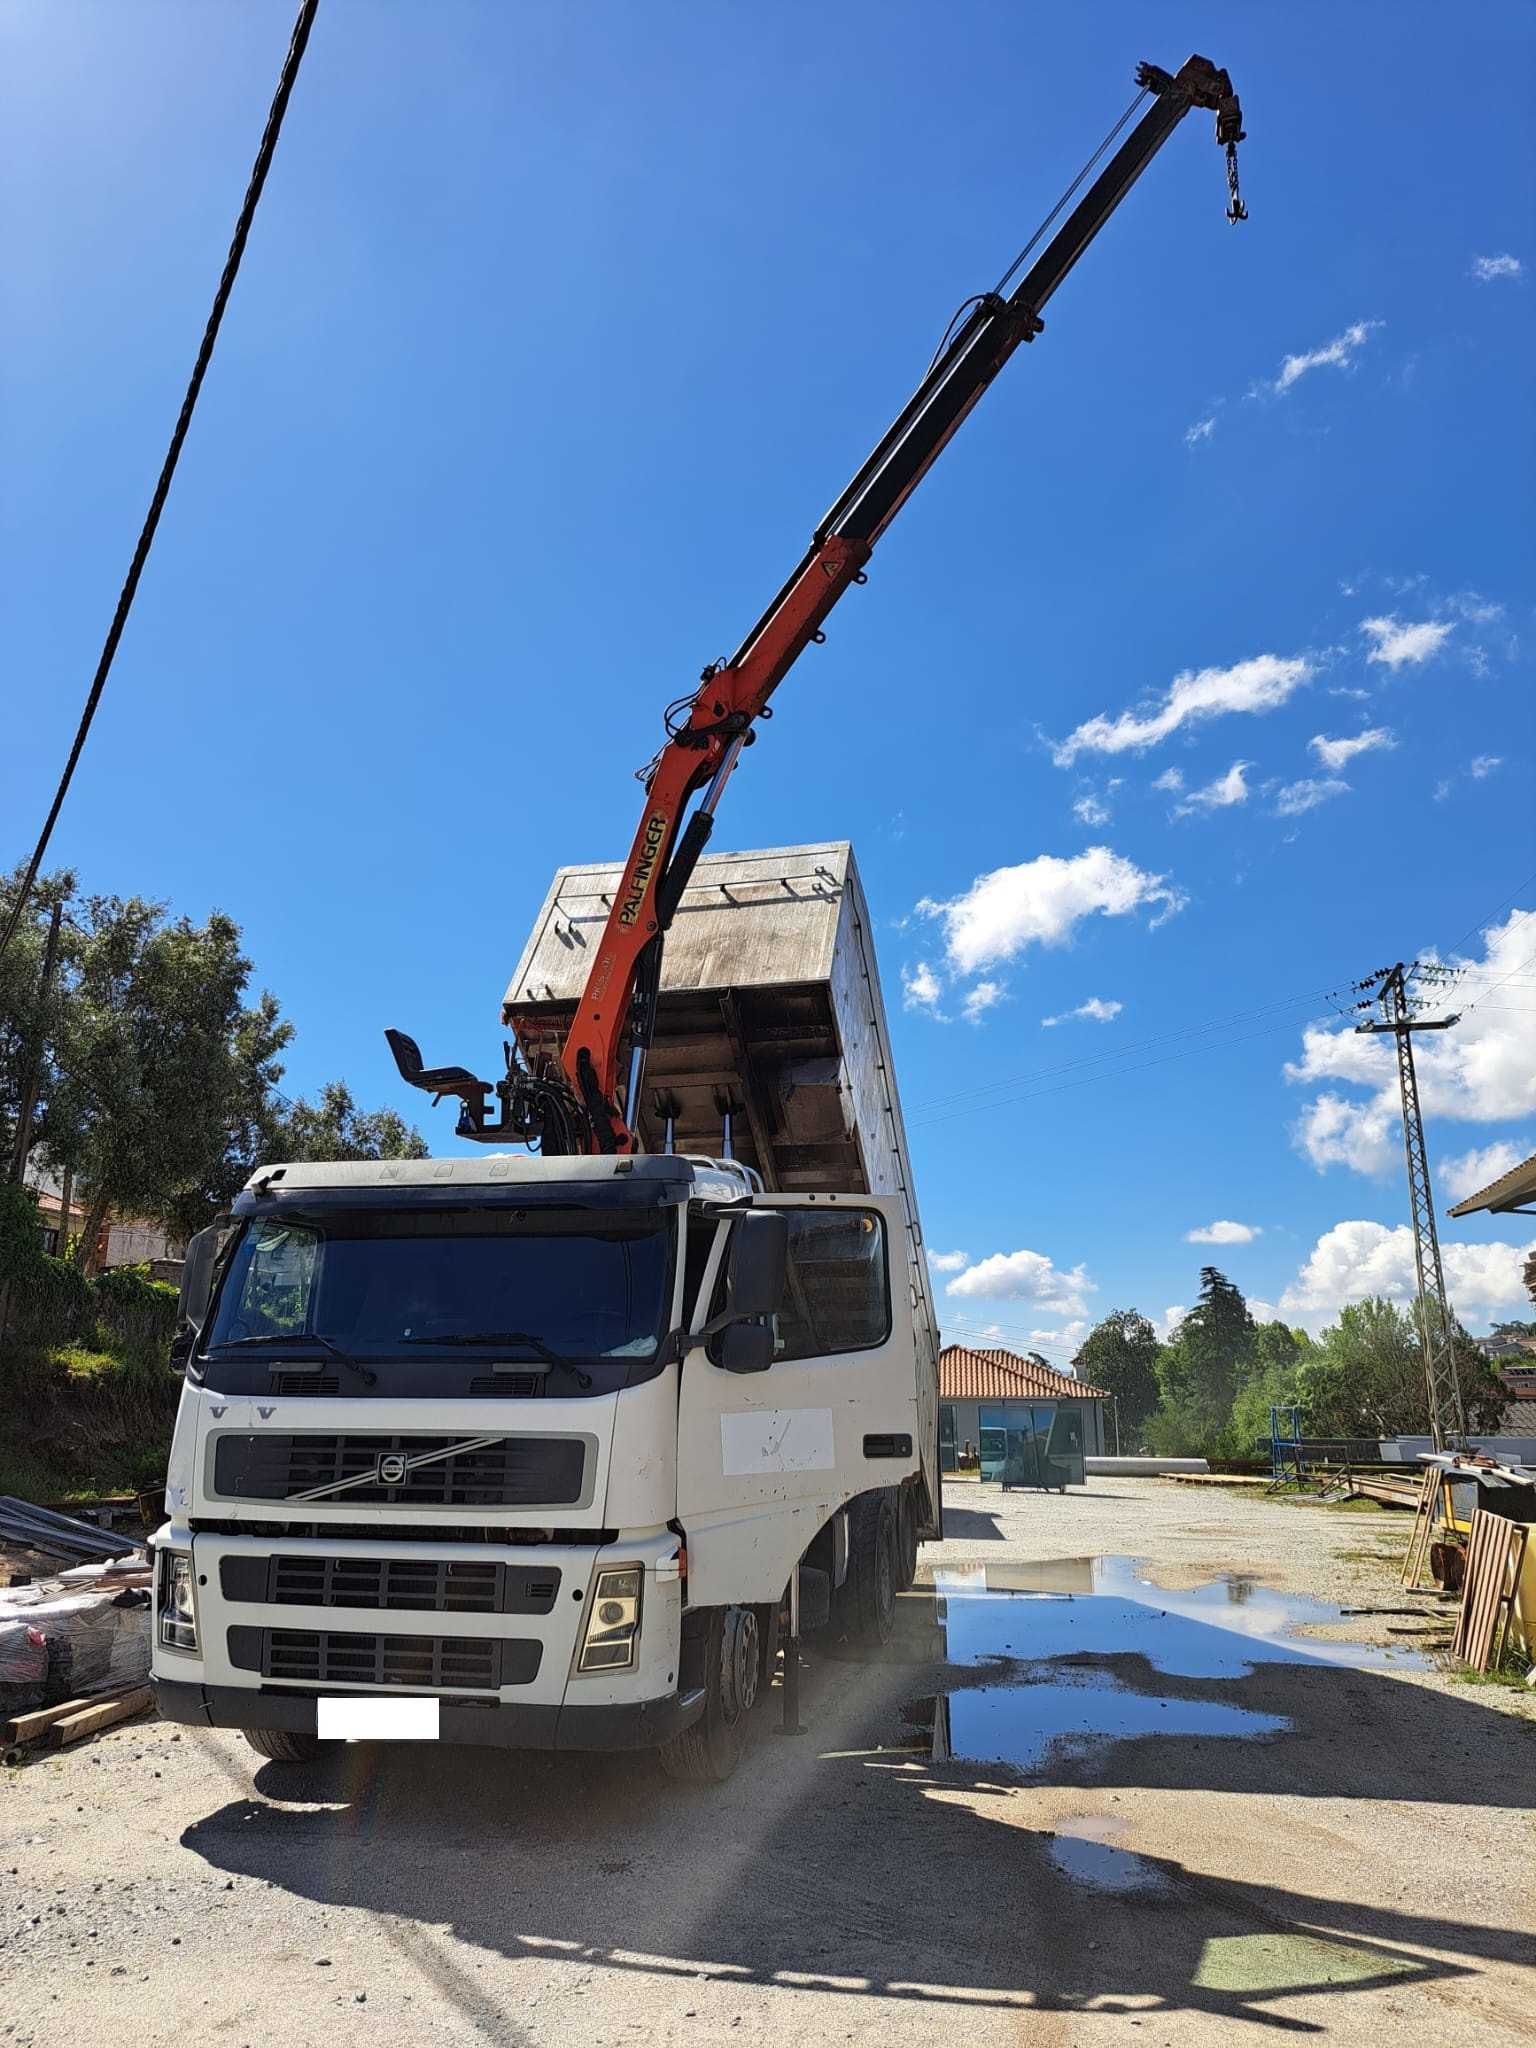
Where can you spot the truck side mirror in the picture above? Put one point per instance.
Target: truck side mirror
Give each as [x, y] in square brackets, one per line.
[196, 1292]
[754, 1274]
[743, 1347]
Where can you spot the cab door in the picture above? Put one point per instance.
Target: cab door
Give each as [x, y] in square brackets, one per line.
[835, 1414]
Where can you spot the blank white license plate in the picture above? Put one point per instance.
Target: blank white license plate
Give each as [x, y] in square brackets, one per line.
[370, 1720]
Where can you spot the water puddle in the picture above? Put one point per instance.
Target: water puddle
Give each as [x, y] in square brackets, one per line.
[1040, 1639]
[1068, 1718]
[1085, 1849]
[1103, 1606]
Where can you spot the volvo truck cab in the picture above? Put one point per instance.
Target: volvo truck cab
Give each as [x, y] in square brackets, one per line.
[532, 1452]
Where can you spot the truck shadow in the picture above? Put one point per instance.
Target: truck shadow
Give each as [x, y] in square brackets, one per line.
[837, 1865]
[971, 1525]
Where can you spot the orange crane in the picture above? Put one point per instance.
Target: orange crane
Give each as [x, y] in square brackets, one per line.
[575, 1104]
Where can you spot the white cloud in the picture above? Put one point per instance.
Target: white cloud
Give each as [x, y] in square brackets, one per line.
[1170, 780]
[1202, 430]
[1366, 1137]
[1478, 769]
[949, 1262]
[1096, 1009]
[1480, 1071]
[1228, 789]
[1306, 795]
[1470, 1172]
[1170, 1321]
[1261, 683]
[1337, 754]
[1041, 902]
[1487, 268]
[1058, 1345]
[1224, 1233]
[921, 989]
[1338, 354]
[1091, 810]
[981, 998]
[1025, 1276]
[1359, 1258]
[1397, 646]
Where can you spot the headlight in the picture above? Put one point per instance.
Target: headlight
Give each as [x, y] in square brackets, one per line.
[613, 1625]
[178, 1601]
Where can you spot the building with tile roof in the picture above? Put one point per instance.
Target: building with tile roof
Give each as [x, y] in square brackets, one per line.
[1024, 1422]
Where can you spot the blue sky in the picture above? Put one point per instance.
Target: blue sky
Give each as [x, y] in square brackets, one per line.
[559, 329]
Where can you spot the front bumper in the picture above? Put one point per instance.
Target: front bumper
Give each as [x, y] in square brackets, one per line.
[283, 1622]
[629, 1724]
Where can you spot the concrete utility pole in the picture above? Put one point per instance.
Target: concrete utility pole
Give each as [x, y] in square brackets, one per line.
[1437, 1329]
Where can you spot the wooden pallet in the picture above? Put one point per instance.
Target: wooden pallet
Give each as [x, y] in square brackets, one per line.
[1495, 1554]
[1430, 1513]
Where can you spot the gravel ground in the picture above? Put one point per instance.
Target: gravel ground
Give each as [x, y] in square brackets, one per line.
[1362, 1872]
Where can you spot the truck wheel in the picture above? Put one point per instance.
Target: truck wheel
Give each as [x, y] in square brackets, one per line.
[867, 1597]
[707, 1752]
[906, 1538]
[284, 1745]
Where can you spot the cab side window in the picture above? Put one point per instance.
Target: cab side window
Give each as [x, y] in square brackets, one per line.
[837, 1294]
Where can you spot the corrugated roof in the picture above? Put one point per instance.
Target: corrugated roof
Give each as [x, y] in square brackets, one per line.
[1510, 1191]
[967, 1375]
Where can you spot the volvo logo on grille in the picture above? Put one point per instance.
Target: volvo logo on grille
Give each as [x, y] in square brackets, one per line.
[391, 1468]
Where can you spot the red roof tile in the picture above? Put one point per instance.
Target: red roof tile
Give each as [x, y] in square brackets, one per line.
[967, 1375]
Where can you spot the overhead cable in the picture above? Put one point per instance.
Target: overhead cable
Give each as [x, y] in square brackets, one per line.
[258, 179]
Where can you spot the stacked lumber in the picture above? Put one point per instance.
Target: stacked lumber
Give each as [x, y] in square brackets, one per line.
[1393, 1489]
[46, 1728]
[1495, 1554]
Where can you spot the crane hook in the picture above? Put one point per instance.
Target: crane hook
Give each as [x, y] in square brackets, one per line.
[1236, 210]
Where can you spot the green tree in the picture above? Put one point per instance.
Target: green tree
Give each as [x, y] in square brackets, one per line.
[1201, 1367]
[1365, 1377]
[159, 1079]
[335, 1128]
[156, 1070]
[1119, 1354]
[1274, 1365]
[29, 1022]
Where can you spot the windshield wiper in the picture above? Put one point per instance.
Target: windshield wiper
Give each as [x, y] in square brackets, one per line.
[364, 1373]
[525, 1337]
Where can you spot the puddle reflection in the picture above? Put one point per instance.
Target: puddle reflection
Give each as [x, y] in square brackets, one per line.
[1095, 1606]
[1084, 1849]
[1049, 1629]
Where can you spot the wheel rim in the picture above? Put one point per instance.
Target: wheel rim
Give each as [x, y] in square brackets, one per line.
[740, 1663]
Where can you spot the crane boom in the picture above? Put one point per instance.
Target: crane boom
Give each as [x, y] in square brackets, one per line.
[578, 1108]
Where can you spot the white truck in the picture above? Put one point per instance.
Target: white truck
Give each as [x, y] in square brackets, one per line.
[548, 1452]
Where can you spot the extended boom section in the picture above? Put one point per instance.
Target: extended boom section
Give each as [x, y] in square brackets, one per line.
[581, 1100]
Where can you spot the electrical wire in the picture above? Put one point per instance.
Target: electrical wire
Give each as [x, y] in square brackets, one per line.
[258, 179]
[1479, 923]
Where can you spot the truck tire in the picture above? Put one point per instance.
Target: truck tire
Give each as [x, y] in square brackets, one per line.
[284, 1745]
[906, 1539]
[708, 1751]
[867, 1597]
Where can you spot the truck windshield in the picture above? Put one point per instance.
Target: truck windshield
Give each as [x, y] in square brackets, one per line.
[565, 1295]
